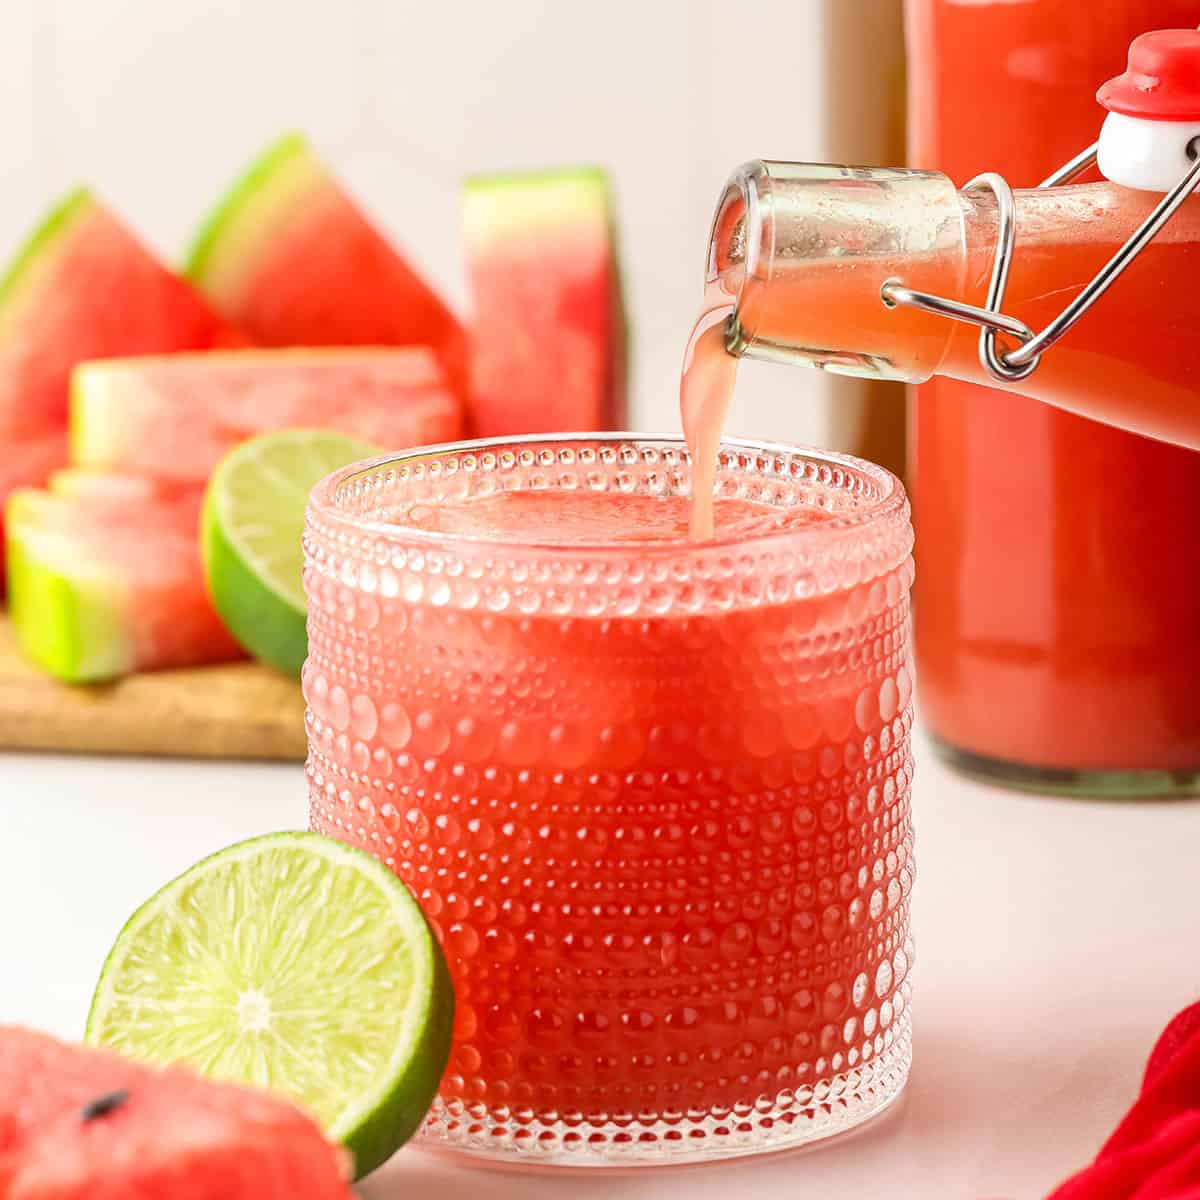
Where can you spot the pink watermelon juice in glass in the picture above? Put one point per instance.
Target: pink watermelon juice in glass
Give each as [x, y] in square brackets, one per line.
[654, 793]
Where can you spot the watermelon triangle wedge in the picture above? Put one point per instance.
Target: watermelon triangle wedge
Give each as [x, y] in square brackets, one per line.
[84, 1124]
[85, 287]
[105, 577]
[82, 287]
[292, 259]
[549, 327]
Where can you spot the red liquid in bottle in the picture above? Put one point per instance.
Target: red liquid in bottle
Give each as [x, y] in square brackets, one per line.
[1058, 559]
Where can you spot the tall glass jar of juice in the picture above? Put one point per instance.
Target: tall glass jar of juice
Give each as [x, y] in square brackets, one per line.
[1058, 581]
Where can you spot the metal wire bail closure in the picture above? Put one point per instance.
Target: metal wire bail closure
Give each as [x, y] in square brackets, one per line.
[1021, 362]
[1006, 237]
[991, 319]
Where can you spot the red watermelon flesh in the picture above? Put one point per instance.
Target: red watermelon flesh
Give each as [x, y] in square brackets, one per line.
[82, 287]
[85, 287]
[175, 416]
[549, 333]
[104, 580]
[28, 461]
[292, 259]
[158, 1132]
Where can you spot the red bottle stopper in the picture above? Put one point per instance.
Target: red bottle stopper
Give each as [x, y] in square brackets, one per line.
[1162, 81]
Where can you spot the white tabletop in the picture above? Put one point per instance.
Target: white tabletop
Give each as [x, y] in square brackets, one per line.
[1054, 939]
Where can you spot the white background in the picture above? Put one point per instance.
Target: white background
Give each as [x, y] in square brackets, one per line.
[159, 103]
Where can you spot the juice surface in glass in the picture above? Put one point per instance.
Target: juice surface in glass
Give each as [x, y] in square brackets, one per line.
[1059, 559]
[653, 793]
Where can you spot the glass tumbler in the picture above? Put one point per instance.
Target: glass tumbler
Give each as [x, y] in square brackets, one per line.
[654, 796]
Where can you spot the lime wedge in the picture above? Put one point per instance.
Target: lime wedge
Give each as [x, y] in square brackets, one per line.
[250, 536]
[294, 963]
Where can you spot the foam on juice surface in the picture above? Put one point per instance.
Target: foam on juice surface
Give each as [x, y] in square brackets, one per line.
[596, 518]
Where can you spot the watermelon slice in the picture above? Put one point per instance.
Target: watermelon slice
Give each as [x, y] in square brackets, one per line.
[105, 578]
[176, 416]
[25, 462]
[294, 261]
[83, 1124]
[85, 483]
[83, 287]
[549, 334]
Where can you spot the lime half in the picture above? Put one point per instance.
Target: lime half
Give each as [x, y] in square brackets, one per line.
[250, 536]
[294, 963]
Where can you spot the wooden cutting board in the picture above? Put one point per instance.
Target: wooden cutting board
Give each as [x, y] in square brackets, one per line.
[235, 710]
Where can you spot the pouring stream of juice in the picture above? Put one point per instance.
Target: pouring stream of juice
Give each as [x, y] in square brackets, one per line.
[705, 389]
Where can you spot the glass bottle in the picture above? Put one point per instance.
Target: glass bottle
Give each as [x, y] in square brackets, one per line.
[1026, 513]
[1100, 695]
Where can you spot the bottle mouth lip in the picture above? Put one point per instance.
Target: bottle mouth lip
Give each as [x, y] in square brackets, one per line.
[739, 246]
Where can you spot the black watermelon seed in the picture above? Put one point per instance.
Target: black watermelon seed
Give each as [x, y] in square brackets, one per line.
[103, 1105]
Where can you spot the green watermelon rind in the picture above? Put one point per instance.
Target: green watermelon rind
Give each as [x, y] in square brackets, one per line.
[45, 234]
[489, 180]
[589, 188]
[262, 621]
[382, 1122]
[264, 170]
[73, 629]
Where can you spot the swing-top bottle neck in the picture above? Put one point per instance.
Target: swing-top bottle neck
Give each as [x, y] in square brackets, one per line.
[801, 251]
[807, 256]
[1083, 296]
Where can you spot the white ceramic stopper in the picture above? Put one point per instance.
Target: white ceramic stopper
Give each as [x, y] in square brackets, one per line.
[1150, 156]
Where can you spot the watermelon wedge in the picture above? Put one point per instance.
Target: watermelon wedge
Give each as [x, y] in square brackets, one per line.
[105, 578]
[83, 1124]
[82, 287]
[291, 258]
[85, 287]
[176, 416]
[549, 332]
[25, 462]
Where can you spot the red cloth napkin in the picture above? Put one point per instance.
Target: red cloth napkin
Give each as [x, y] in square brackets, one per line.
[1154, 1154]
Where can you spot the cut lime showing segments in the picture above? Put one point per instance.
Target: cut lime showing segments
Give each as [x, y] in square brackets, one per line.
[295, 963]
[250, 536]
